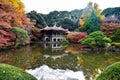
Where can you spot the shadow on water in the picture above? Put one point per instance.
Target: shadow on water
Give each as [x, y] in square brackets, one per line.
[36, 55]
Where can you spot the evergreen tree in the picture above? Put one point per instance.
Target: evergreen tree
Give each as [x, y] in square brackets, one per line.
[90, 18]
[92, 23]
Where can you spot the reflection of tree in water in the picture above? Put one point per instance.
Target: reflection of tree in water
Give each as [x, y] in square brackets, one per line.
[75, 48]
[16, 57]
[54, 58]
[61, 61]
[22, 57]
[91, 63]
[27, 56]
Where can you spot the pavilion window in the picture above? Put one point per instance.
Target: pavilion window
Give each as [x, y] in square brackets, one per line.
[58, 39]
[47, 39]
[54, 39]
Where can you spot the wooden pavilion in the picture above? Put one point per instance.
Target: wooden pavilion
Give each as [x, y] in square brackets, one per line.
[53, 34]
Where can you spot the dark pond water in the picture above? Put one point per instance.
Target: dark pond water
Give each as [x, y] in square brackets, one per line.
[61, 61]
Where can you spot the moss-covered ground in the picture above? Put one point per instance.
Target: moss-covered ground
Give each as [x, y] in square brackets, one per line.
[8, 72]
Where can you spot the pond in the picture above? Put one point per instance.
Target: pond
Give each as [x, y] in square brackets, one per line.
[51, 62]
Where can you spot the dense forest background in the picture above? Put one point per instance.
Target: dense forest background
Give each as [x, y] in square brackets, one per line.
[66, 19]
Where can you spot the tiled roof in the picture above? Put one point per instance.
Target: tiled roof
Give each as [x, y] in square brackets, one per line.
[54, 28]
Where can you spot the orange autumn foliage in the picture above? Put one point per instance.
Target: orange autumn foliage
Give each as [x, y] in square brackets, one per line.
[17, 4]
[12, 15]
[76, 36]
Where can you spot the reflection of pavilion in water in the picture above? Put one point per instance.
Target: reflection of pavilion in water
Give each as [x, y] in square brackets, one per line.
[53, 48]
[53, 45]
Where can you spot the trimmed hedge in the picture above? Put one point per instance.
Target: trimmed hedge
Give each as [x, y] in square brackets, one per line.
[8, 72]
[111, 73]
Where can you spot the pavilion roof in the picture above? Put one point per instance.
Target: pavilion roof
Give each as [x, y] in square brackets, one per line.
[55, 28]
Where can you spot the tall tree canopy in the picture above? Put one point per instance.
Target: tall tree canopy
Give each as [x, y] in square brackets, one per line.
[86, 13]
[111, 11]
[90, 19]
[92, 23]
[65, 19]
[17, 4]
[37, 19]
[12, 14]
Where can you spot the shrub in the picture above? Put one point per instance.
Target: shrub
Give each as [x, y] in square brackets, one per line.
[8, 72]
[111, 73]
[76, 36]
[116, 36]
[96, 38]
[88, 41]
[71, 35]
[79, 37]
[21, 34]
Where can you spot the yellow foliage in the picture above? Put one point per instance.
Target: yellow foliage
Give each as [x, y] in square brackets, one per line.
[17, 4]
[71, 35]
[102, 17]
[82, 22]
[15, 14]
[97, 10]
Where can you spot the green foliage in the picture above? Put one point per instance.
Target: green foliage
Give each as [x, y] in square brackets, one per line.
[96, 38]
[64, 41]
[21, 34]
[88, 41]
[65, 19]
[116, 36]
[92, 23]
[37, 18]
[8, 72]
[68, 24]
[111, 73]
[90, 18]
[76, 14]
[111, 11]
[85, 14]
